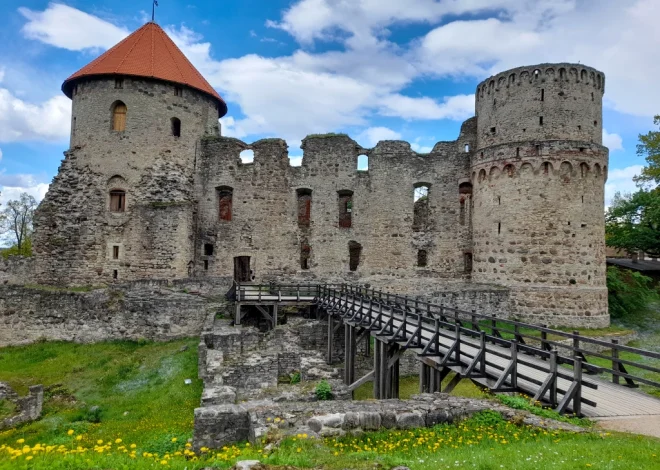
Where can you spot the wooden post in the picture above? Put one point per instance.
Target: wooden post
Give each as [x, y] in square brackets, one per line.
[367, 344]
[423, 378]
[274, 316]
[331, 327]
[544, 340]
[615, 362]
[514, 358]
[553, 386]
[347, 353]
[237, 314]
[577, 377]
[576, 343]
[384, 382]
[377, 361]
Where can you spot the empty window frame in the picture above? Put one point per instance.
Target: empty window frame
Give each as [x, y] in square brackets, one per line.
[178, 91]
[363, 163]
[354, 254]
[117, 200]
[420, 206]
[305, 254]
[467, 262]
[119, 112]
[465, 195]
[225, 201]
[115, 252]
[345, 208]
[304, 197]
[119, 83]
[176, 127]
[208, 249]
[422, 258]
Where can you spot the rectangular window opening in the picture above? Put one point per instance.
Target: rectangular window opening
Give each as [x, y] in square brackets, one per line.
[208, 249]
[540, 120]
[542, 94]
[354, 252]
[492, 130]
[467, 261]
[422, 258]
[225, 202]
[178, 91]
[304, 207]
[345, 209]
[499, 228]
[119, 83]
[517, 151]
[117, 201]
[305, 253]
[206, 265]
[115, 274]
[115, 252]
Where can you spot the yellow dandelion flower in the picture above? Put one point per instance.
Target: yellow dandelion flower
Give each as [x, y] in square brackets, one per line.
[79, 437]
[163, 462]
[99, 442]
[29, 457]
[117, 441]
[298, 449]
[20, 441]
[133, 446]
[70, 432]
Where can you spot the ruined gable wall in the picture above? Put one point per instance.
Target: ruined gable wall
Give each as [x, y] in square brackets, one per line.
[75, 231]
[265, 225]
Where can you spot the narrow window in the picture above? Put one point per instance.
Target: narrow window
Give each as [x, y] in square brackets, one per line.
[176, 127]
[540, 120]
[304, 207]
[582, 199]
[499, 228]
[492, 130]
[465, 195]
[467, 148]
[543, 94]
[208, 249]
[581, 149]
[517, 151]
[420, 206]
[225, 197]
[363, 163]
[467, 262]
[115, 252]
[579, 128]
[206, 265]
[73, 127]
[305, 253]
[524, 130]
[595, 123]
[421, 258]
[538, 150]
[119, 83]
[354, 252]
[75, 89]
[117, 200]
[178, 91]
[119, 117]
[114, 274]
[546, 167]
[499, 201]
[592, 96]
[345, 208]
[482, 155]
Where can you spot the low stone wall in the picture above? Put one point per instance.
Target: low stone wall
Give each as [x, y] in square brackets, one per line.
[29, 407]
[154, 312]
[16, 270]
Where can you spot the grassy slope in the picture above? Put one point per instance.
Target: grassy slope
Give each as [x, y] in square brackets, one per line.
[139, 388]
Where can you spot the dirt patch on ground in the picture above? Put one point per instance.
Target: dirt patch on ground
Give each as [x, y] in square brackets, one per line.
[647, 425]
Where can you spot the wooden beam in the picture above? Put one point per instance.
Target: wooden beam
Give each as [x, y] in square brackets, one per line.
[361, 381]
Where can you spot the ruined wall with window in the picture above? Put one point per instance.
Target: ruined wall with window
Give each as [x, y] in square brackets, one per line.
[121, 206]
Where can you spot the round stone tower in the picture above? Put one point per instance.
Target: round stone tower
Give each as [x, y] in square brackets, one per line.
[121, 205]
[538, 175]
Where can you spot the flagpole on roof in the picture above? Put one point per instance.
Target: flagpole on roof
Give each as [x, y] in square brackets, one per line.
[153, 10]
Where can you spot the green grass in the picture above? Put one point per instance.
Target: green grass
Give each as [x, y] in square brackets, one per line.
[409, 386]
[7, 409]
[524, 403]
[139, 388]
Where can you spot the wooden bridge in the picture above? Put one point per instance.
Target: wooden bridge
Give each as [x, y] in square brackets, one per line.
[500, 355]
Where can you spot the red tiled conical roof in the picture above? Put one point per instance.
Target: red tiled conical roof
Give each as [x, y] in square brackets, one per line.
[147, 52]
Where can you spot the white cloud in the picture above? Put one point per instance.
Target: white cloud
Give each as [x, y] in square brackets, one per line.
[12, 186]
[69, 28]
[454, 107]
[371, 136]
[295, 161]
[20, 120]
[247, 156]
[612, 141]
[621, 180]
[421, 148]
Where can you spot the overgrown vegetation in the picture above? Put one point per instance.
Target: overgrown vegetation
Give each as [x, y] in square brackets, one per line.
[520, 402]
[629, 292]
[323, 390]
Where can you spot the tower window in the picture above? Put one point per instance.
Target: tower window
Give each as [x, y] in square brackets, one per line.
[115, 252]
[499, 228]
[73, 127]
[540, 120]
[304, 207]
[363, 163]
[422, 258]
[206, 265]
[305, 253]
[467, 148]
[176, 127]
[178, 91]
[467, 262]
[208, 249]
[119, 116]
[119, 83]
[117, 200]
[420, 206]
[225, 202]
[465, 194]
[492, 130]
[517, 151]
[354, 252]
[345, 208]
[115, 274]
[543, 94]
[595, 123]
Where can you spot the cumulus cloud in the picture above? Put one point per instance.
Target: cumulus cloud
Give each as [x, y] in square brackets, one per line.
[12, 186]
[371, 136]
[612, 141]
[454, 107]
[69, 28]
[621, 180]
[20, 120]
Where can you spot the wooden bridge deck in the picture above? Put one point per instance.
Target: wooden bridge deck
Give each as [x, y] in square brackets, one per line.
[610, 399]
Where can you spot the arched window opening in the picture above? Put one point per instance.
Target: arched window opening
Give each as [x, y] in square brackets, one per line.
[176, 127]
[117, 200]
[465, 196]
[584, 170]
[354, 253]
[247, 156]
[345, 208]
[305, 253]
[422, 258]
[467, 148]
[119, 116]
[225, 202]
[420, 206]
[363, 163]
[304, 206]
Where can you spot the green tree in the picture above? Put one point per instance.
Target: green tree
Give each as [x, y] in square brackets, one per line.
[17, 221]
[632, 222]
[649, 147]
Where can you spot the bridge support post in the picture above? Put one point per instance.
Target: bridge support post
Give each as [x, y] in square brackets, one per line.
[350, 351]
[386, 370]
[237, 314]
[424, 377]
[331, 335]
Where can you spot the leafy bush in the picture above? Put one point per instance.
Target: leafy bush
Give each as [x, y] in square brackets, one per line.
[487, 418]
[323, 390]
[91, 415]
[294, 378]
[629, 292]
[26, 249]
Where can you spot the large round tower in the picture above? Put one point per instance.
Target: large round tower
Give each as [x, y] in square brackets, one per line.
[120, 207]
[538, 175]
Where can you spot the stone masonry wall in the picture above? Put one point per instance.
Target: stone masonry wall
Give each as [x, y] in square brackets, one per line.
[128, 312]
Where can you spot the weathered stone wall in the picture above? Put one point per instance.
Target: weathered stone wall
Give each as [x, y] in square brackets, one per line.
[28, 408]
[16, 270]
[75, 231]
[127, 312]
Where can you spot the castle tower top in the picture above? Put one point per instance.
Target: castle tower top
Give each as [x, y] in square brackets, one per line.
[147, 52]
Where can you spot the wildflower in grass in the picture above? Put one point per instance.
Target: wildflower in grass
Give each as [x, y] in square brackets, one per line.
[174, 439]
[133, 446]
[117, 441]
[70, 432]
[99, 442]
[79, 437]
[29, 457]
[20, 441]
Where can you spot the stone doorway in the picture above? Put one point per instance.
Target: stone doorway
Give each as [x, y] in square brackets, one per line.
[242, 272]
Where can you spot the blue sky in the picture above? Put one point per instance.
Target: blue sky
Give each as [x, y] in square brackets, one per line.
[375, 69]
